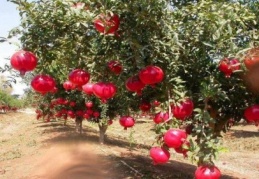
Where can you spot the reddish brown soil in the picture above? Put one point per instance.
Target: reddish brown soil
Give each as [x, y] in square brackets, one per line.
[31, 149]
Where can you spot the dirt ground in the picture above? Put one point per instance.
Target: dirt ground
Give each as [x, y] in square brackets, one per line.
[31, 149]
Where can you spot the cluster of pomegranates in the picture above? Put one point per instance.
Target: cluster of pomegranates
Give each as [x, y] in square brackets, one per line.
[25, 61]
[6, 108]
[177, 139]
[150, 75]
[173, 138]
[78, 79]
[180, 111]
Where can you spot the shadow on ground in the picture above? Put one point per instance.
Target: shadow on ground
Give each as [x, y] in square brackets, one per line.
[244, 134]
[72, 156]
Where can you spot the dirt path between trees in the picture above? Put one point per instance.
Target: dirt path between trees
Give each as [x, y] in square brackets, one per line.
[31, 149]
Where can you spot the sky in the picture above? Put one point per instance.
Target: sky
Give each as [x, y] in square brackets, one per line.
[9, 18]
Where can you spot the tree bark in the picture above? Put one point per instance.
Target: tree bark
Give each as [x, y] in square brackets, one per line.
[79, 125]
[102, 131]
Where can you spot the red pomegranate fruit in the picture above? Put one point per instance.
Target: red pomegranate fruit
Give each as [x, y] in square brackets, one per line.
[89, 104]
[159, 155]
[183, 110]
[88, 88]
[79, 77]
[107, 24]
[68, 85]
[115, 67]
[23, 61]
[43, 83]
[127, 121]
[151, 75]
[207, 172]
[228, 66]
[252, 113]
[161, 117]
[145, 106]
[174, 138]
[134, 84]
[104, 91]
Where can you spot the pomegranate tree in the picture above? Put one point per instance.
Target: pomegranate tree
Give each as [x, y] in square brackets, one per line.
[164, 46]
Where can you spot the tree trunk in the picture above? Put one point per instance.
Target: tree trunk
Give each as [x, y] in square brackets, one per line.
[219, 126]
[79, 125]
[102, 131]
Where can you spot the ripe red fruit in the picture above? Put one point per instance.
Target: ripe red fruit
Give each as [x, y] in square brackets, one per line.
[228, 66]
[104, 91]
[184, 148]
[115, 67]
[156, 103]
[127, 121]
[63, 111]
[183, 110]
[23, 61]
[110, 122]
[79, 113]
[72, 104]
[86, 115]
[151, 75]
[68, 85]
[161, 117]
[58, 114]
[96, 114]
[89, 104]
[54, 90]
[174, 138]
[71, 114]
[252, 113]
[207, 172]
[79, 77]
[250, 62]
[159, 155]
[107, 24]
[252, 58]
[134, 84]
[43, 83]
[145, 106]
[88, 88]
[89, 111]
